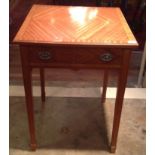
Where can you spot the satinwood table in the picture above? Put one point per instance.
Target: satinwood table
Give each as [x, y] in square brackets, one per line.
[75, 38]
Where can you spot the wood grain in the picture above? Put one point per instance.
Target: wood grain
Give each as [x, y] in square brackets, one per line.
[75, 25]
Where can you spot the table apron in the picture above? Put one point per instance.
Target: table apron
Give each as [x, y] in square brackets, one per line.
[75, 66]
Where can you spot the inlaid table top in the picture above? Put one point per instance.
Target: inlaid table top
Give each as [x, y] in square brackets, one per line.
[46, 24]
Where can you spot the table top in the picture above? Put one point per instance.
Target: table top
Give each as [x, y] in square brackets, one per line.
[48, 24]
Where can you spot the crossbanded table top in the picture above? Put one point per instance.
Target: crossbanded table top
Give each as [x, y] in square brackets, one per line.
[49, 24]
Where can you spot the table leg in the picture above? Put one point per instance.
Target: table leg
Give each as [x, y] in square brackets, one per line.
[42, 82]
[105, 82]
[119, 99]
[27, 76]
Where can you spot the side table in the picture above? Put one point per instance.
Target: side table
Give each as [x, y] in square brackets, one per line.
[75, 38]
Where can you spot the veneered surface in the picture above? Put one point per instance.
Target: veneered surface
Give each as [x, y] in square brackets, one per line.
[75, 25]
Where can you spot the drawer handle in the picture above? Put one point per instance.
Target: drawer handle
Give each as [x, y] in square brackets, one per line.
[44, 55]
[106, 57]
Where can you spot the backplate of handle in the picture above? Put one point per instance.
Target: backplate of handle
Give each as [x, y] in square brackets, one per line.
[44, 55]
[106, 57]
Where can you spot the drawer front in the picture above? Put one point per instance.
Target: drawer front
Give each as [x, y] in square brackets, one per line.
[75, 56]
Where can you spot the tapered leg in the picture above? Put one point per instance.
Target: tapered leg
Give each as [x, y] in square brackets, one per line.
[105, 82]
[42, 82]
[28, 95]
[119, 99]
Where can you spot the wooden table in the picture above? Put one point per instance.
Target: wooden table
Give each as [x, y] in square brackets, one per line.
[75, 38]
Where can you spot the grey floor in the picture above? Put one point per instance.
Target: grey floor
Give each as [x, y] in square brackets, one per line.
[77, 126]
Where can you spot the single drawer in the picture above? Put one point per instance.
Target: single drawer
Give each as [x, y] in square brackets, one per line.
[75, 56]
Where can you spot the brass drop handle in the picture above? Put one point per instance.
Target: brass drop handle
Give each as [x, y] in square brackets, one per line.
[44, 55]
[106, 57]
